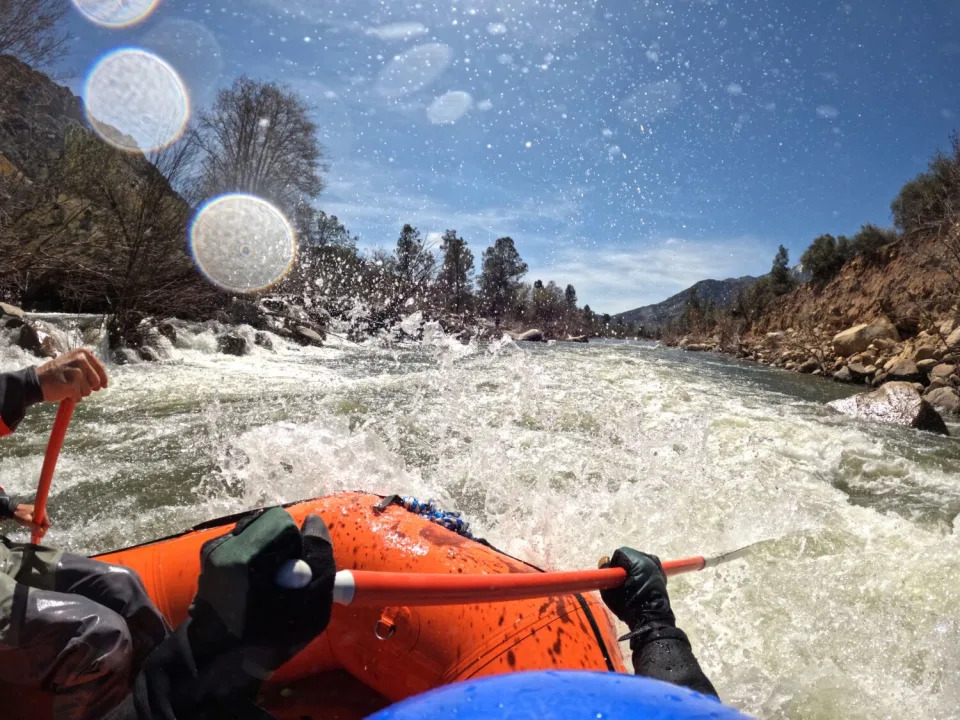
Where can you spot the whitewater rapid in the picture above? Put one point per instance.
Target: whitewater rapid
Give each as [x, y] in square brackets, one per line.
[558, 454]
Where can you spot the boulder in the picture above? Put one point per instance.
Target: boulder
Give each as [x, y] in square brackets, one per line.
[905, 371]
[937, 383]
[947, 327]
[858, 372]
[926, 366]
[124, 356]
[533, 335]
[946, 400]
[843, 375]
[232, 344]
[168, 331]
[698, 347]
[307, 336]
[859, 338]
[923, 352]
[896, 403]
[883, 344]
[50, 347]
[29, 339]
[809, 366]
[953, 340]
[263, 340]
[12, 310]
[149, 353]
[578, 339]
[11, 316]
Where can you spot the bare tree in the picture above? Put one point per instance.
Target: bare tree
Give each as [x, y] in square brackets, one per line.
[30, 30]
[136, 262]
[258, 138]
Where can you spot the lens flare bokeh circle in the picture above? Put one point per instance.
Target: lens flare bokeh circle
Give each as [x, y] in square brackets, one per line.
[242, 243]
[136, 101]
[115, 13]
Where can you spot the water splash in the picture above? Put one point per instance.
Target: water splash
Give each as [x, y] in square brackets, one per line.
[115, 14]
[242, 243]
[136, 101]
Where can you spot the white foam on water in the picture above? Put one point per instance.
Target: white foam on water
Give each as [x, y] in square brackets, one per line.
[559, 455]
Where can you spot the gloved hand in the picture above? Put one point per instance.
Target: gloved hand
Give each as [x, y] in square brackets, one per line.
[242, 625]
[642, 601]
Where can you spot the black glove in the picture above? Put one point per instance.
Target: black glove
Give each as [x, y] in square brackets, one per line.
[642, 601]
[242, 625]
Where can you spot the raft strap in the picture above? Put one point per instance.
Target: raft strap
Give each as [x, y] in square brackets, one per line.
[449, 519]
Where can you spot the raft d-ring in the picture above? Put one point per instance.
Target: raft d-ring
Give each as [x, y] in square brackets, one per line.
[387, 623]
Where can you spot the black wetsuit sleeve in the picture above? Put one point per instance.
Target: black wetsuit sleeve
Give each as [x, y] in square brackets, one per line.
[18, 391]
[665, 654]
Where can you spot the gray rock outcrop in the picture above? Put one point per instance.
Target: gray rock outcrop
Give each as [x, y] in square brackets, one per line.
[896, 403]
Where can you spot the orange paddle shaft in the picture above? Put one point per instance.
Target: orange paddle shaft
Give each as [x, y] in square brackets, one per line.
[64, 413]
[383, 589]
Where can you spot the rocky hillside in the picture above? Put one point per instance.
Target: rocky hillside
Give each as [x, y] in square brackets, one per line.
[906, 285]
[721, 292]
[35, 116]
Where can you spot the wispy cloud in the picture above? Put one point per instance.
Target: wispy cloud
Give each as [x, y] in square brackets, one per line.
[397, 31]
[615, 279]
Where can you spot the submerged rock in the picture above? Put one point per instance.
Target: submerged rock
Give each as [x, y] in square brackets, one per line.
[860, 337]
[29, 339]
[307, 336]
[263, 340]
[232, 344]
[896, 403]
[533, 335]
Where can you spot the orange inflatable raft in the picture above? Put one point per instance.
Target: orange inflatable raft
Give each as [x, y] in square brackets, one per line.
[371, 657]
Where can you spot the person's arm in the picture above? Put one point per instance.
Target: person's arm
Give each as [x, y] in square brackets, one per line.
[18, 391]
[73, 375]
[661, 650]
[242, 626]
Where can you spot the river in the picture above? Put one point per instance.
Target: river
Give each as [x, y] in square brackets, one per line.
[558, 454]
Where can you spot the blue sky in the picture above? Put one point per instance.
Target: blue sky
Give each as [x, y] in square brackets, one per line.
[630, 147]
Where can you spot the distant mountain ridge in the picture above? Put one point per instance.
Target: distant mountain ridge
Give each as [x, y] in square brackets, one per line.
[722, 292]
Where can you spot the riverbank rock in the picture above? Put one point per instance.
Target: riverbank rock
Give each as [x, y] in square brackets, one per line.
[232, 344]
[532, 335]
[944, 370]
[953, 340]
[843, 375]
[946, 400]
[578, 339]
[896, 403]
[904, 371]
[11, 316]
[858, 338]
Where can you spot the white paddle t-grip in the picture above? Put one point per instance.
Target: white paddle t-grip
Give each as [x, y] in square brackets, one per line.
[293, 575]
[296, 575]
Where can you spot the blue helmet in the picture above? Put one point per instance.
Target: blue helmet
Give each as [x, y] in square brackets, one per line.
[560, 695]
